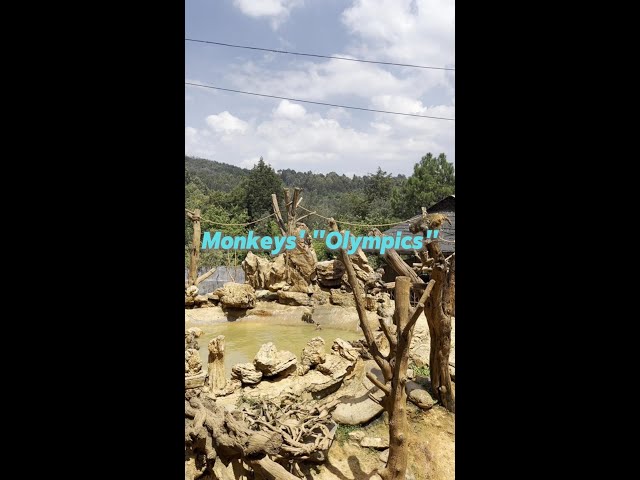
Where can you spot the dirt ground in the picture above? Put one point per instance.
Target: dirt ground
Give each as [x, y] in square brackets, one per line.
[431, 449]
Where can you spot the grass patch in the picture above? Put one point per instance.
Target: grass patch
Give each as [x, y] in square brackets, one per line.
[423, 371]
[343, 431]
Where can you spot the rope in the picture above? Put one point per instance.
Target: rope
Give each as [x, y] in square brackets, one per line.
[355, 224]
[209, 222]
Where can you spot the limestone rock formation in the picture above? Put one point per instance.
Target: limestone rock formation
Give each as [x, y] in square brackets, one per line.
[256, 271]
[246, 373]
[271, 361]
[237, 295]
[294, 298]
[330, 273]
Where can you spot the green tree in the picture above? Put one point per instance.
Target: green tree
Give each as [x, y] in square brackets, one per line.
[433, 179]
[378, 185]
[260, 184]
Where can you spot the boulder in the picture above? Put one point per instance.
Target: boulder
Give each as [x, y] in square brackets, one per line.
[313, 354]
[277, 274]
[246, 373]
[341, 298]
[197, 332]
[237, 295]
[356, 412]
[335, 366]
[271, 362]
[294, 298]
[195, 381]
[320, 297]
[370, 303]
[384, 456]
[358, 408]
[330, 273]
[192, 362]
[419, 395]
[266, 295]
[375, 442]
[256, 271]
[345, 350]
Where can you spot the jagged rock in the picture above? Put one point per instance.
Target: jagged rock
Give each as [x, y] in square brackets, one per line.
[345, 349]
[341, 298]
[192, 362]
[370, 303]
[384, 456]
[294, 298]
[190, 341]
[200, 299]
[386, 309]
[256, 271]
[313, 354]
[192, 291]
[320, 297]
[330, 273]
[307, 316]
[277, 274]
[275, 287]
[266, 295]
[195, 381]
[271, 362]
[237, 295]
[375, 442]
[246, 373]
[197, 332]
[419, 395]
[335, 366]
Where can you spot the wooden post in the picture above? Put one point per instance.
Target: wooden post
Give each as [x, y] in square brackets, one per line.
[195, 246]
[439, 321]
[398, 425]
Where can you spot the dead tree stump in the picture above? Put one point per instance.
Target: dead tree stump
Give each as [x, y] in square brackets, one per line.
[217, 378]
[437, 310]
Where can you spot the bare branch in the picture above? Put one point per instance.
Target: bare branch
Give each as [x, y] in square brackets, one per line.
[417, 311]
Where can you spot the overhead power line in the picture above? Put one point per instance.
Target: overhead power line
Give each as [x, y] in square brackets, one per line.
[317, 56]
[317, 103]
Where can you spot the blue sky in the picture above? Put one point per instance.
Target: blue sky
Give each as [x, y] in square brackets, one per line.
[238, 129]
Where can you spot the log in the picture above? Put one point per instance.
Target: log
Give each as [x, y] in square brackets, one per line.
[271, 470]
[395, 260]
[204, 276]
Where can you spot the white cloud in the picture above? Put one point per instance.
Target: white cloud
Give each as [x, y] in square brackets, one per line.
[226, 123]
[286, 109]
[409, 31]
[293, 138]
[276, 10]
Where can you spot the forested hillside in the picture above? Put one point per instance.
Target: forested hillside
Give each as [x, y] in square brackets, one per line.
[229, 194]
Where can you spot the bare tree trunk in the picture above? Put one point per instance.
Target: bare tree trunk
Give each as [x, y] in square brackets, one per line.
[195, 246]
[399, 266]
[398, 427]
[394, 365]
[440, 326]
[217, 378]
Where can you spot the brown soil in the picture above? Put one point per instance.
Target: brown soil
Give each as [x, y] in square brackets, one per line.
[431, 449]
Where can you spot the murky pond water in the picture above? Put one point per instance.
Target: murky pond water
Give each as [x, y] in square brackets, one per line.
[243, 339]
